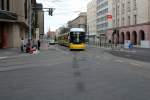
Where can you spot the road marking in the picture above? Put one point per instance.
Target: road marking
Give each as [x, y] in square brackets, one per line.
[136, 65]
[62, 51]
[120, 61]
[98, 56]
[128, 55]
[3, 57]
[130, 51]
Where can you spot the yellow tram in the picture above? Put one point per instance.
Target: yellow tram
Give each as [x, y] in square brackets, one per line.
[74, 39]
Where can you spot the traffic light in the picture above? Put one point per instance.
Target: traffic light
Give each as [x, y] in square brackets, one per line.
[51, 11]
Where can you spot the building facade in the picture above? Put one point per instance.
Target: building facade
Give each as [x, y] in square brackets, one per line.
[131, 21]
[104, 22]
[79, 22]
[91, 18]
[13, 22]
[51, 35]
[41, 21]
[38, 22]
[104, 8]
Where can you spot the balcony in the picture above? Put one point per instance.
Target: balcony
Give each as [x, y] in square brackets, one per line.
[8, 16]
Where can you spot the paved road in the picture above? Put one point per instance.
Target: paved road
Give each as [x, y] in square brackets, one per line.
[139, 54]
[60, 74]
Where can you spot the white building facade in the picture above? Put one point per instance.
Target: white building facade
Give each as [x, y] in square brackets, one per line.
[91, 17]
[104, 8]
[13, 22]
[131, 21]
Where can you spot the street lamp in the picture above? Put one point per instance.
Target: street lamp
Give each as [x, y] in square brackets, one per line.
[116, 29]
[31, 11]
[88, 33]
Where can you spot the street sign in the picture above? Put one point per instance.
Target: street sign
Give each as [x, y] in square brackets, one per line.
[109, 17]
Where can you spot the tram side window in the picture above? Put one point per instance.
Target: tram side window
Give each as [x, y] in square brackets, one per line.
[82, 37]
[72, 37]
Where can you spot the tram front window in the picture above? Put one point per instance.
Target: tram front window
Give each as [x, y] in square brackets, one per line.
[82, 37]
[77, 38]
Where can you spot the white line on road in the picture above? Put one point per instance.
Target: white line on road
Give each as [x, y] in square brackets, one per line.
[136, 64]
[128, 55]
[60, 50]
[3, 57]
[120, 61]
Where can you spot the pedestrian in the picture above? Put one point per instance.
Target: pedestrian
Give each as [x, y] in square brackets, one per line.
[22, 45]
[28, 46]
[38, 44]
[131, 46]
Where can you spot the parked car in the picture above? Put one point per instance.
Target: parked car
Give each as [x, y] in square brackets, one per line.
[51, 42]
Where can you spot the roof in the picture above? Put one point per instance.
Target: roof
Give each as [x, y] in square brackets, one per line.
[77, 30]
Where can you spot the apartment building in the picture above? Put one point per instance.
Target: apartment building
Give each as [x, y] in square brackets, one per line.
[131, 21]
[13, 22]
[79, 22]
[91, 18]
[104, 8]
[104, 18]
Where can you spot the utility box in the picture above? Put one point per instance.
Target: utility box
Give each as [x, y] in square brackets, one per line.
[127, 44]
[145, 44]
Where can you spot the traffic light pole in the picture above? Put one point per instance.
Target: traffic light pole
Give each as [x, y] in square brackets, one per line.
[50, 10]
[28, 49]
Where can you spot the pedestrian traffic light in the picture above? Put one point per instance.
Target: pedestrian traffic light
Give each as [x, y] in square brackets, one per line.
[51, 11]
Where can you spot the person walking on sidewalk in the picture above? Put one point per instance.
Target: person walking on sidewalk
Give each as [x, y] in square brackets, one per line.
[38, 44]
[22, 45]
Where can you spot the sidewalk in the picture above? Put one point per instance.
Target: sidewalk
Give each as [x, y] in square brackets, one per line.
[9, 52]
[141, 54]
[15, 52]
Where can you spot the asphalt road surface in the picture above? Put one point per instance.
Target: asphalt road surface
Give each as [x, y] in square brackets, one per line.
[60, 74]
[139, 54]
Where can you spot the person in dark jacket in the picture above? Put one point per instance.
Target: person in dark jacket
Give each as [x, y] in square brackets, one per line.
[22, 45]
[38, 44]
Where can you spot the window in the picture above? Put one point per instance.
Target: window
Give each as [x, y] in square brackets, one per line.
[128, 20]
[134, 2]
[118, 10]
[123, 21]
[123, 8]
[135, 19]
[25, 9]
[2, 5]
[102, 5]
[118, 22]
[114, 22]
[128, 6]
[8, 5]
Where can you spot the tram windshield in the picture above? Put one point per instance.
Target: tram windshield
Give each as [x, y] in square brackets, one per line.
[77, 37]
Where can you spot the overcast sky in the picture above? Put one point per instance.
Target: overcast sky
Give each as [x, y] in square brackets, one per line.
[65, 10]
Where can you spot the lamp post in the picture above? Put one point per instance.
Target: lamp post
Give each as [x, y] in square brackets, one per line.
[30, 16]
[30, 26]
[87, 33]
[115, 29]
